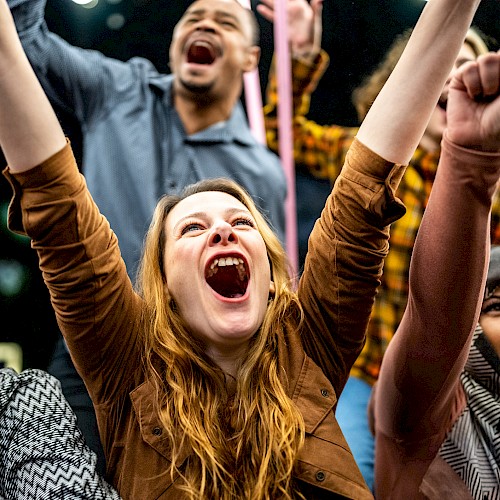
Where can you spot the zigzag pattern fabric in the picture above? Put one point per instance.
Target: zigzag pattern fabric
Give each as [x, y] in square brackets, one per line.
[43, 454]
[472, 448]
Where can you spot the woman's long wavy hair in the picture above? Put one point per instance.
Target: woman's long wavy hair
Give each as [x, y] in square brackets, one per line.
[364, 95]
[243, 446]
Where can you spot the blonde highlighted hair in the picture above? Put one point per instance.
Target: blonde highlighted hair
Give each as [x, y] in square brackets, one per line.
[243, 445]
[364, 95]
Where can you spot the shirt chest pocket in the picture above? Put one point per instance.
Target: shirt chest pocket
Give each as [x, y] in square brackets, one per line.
[325, 460]
[151, 465]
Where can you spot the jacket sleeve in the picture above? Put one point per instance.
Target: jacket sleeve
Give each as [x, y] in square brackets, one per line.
[82, 82]
[344, 263]
[422, 364]
[320, 148]
[95, 305]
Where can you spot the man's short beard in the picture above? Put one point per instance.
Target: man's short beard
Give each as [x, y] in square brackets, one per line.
[196, 88]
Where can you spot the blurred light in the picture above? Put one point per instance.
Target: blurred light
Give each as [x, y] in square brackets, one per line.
[86, 3]
[13, 276]
[115, 21]
[91, 4]
[11, 356]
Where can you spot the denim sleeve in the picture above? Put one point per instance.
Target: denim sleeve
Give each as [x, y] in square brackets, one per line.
[82, 82]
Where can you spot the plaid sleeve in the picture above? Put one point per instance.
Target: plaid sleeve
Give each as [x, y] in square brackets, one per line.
[305, 79]
[495, 219]
[320, 148]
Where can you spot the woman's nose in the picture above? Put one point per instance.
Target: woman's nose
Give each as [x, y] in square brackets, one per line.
[223, 234]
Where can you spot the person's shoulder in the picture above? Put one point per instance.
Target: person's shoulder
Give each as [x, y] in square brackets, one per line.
[12, 382]
[30, 375]
[16, 3]
[146, 68]
[267, 158]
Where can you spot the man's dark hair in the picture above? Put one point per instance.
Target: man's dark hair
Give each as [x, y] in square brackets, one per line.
[254, 24]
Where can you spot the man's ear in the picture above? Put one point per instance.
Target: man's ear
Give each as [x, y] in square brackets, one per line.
[252, 58]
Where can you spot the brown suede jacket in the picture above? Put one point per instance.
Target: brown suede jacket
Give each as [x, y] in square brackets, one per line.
[99, 315]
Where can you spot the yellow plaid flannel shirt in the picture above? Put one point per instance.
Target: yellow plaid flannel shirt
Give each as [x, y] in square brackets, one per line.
[322, 149]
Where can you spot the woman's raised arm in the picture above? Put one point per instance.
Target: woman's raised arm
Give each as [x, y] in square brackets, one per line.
[396, 122]
[29, 129]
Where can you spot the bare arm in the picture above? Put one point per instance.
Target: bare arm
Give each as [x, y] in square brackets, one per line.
[29, 130]
[397, 120]
[394, 131]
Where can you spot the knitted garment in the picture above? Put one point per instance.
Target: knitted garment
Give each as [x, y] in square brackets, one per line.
[472, 447]
[42, 452]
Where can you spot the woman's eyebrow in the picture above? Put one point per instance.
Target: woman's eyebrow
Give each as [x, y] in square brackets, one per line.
[203, 215]
[463, 60]
[193, 215]
[492, 297]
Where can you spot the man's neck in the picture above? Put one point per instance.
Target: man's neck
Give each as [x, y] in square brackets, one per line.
[197, 115]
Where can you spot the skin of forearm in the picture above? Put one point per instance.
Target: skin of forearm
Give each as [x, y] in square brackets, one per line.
[395, 131]
[29, 130]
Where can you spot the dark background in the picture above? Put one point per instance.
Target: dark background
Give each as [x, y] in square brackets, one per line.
[356, 35]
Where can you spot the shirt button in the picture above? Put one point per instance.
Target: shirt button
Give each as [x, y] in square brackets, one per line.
[325, 393]
[157, 431]
[320, 476]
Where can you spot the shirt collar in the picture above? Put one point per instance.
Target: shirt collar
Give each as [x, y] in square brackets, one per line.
[235, 129]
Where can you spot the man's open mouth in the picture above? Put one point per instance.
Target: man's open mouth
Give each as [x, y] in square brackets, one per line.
[228, 276]
[201, 52]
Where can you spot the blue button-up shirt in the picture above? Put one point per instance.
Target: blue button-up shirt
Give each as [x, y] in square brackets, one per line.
[135, 148]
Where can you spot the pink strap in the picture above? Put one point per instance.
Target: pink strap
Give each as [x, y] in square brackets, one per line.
[284, 72]
[253, 99]
[255, 116]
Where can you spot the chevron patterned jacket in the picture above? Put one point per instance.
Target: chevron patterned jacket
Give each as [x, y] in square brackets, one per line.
[472, 447]
[42, 452]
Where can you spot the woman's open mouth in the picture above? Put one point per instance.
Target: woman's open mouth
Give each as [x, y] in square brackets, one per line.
[228, 276]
